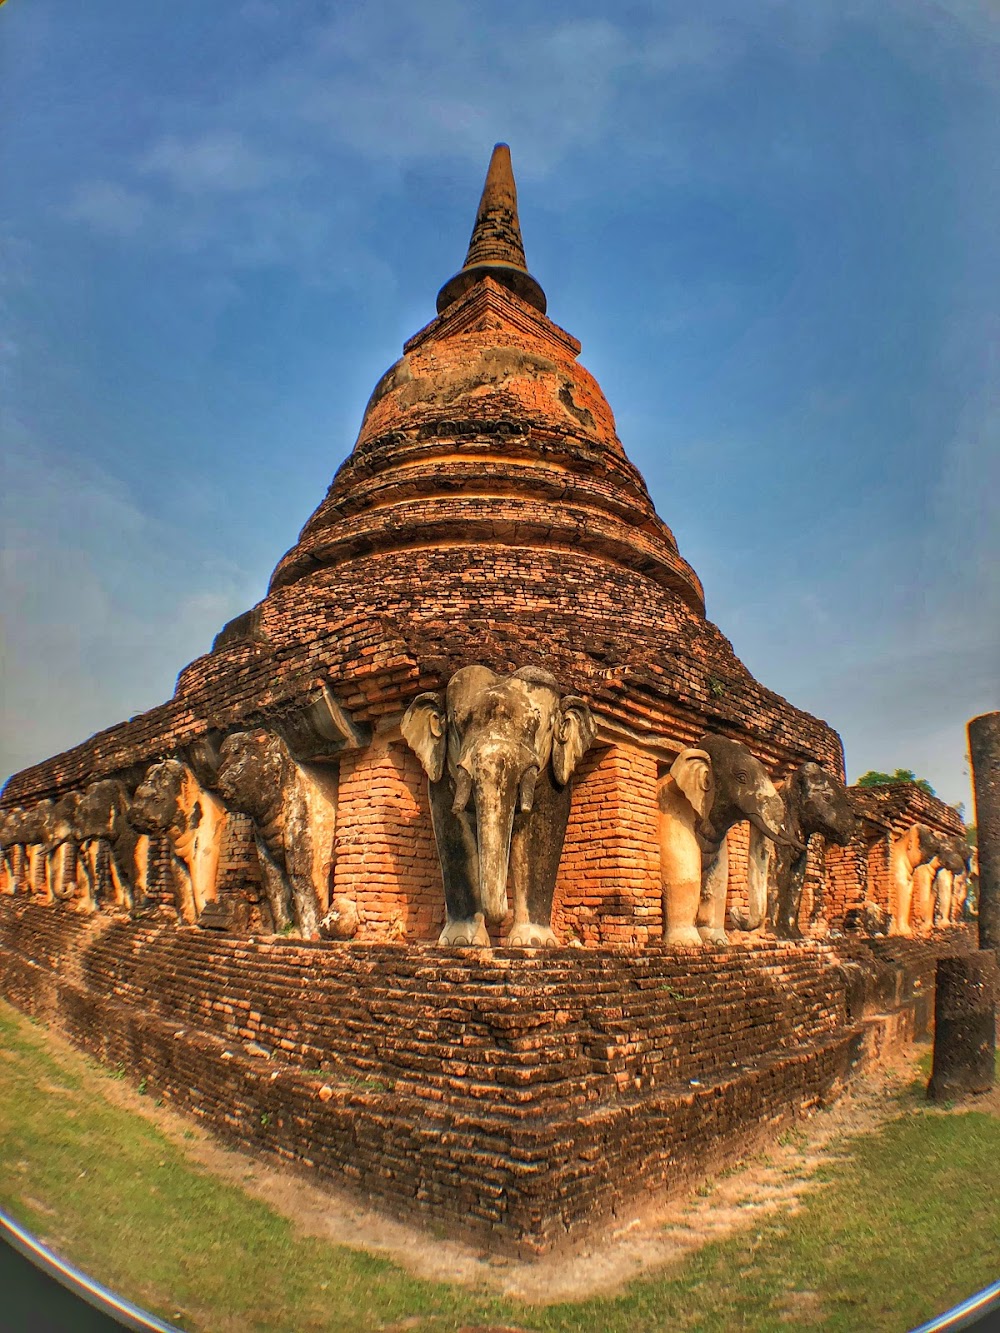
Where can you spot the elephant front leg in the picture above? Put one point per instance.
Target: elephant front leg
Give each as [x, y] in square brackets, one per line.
[791, 880]
[535, 851]
[455, 836]
[276, 888]
[712, 905]
[922, 899]
[901, 900]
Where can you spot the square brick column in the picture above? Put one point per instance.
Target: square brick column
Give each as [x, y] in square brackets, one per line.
[386, 861]
[608, 890]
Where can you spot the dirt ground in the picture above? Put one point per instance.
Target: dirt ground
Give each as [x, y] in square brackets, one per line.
[765, 1183]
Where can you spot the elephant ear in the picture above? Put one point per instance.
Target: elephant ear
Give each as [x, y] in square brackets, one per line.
[424, 728]
[571, 737]
[692, 771]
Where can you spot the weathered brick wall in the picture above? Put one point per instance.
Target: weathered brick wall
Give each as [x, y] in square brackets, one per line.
[860, 871]
[386, 861]
[608, 890]
[528, 1095]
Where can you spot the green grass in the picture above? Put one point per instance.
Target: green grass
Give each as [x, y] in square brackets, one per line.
[907, 1223]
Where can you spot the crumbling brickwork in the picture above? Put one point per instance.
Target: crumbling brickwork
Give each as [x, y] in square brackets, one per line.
[609, 882]
[860, 871]
[456, 1087]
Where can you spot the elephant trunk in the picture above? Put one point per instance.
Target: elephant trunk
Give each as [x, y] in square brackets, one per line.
[498, 778]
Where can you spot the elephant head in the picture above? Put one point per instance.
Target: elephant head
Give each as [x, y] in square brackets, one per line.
[499, 752]
[725, 785]
[710, 787]
[955, 854]
[108, 840]
[917, 847]
[950, 878]
[815, 803]
[293, 822]
[12, 848]
[37, 824]
[62, 857]
[171, 804]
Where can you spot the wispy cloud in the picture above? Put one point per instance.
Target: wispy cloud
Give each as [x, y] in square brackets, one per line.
[96, 641]
[219, 160]
[108, 207]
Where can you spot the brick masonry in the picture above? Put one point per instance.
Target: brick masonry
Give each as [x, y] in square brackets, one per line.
[860, 870]
[517, 1094]
[529, 1097]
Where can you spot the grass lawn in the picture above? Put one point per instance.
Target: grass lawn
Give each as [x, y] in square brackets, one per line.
[908, 1223]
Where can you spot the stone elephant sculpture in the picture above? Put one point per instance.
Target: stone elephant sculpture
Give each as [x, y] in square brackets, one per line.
[62, 861]
[294, 812]
[34, 834]
[112, 852]
[918, 846]
[170, 803]
[710, 787]
[13, 850]
[951, 879]
[815, 802]
[499, 753]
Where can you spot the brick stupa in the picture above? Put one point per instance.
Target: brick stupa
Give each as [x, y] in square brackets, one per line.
[487, 513]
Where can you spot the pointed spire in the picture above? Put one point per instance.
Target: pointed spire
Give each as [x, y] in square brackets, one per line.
[496, 249]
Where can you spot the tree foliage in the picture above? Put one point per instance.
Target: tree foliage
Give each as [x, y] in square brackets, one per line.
[875, 779]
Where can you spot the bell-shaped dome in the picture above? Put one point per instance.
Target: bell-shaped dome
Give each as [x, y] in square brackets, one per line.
[489, 429]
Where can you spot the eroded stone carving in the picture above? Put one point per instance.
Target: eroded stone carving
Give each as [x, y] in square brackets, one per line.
[951, 880]
[815, 802]
[62, 870]
[294, 812]
[499, 753]
[170, 803]
[916, 847]
[342, 921]
[13, 850]
[112, 852]
[710, 787]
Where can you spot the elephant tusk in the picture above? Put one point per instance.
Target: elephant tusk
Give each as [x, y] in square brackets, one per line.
[526, 793]
[782, 839]
[463, 790]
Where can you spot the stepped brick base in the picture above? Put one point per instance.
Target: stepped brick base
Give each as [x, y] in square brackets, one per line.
[526, 1097]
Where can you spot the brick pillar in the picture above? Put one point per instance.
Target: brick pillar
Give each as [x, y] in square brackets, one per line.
[984, 750]
[845, 874]
[608, 890]
[386, 861]
[738, 853]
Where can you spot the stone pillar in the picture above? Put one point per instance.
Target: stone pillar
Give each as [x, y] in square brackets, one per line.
[984, 751]
[965, 996]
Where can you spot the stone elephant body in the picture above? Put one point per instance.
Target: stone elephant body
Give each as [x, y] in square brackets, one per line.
[13, 849]
[951, 880]
[294, 812]
[39, 849]
[499, 753]
[710, 787]
[171, 804]
[816, 802]
[62, 859]
[111, 849]
[918, 846]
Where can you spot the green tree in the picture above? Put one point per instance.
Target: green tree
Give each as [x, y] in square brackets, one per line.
[875, 779]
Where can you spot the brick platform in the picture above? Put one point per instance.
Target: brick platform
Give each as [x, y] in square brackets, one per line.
[527, 1096]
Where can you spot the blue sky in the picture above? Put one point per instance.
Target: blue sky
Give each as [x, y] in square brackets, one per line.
[772, 226]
